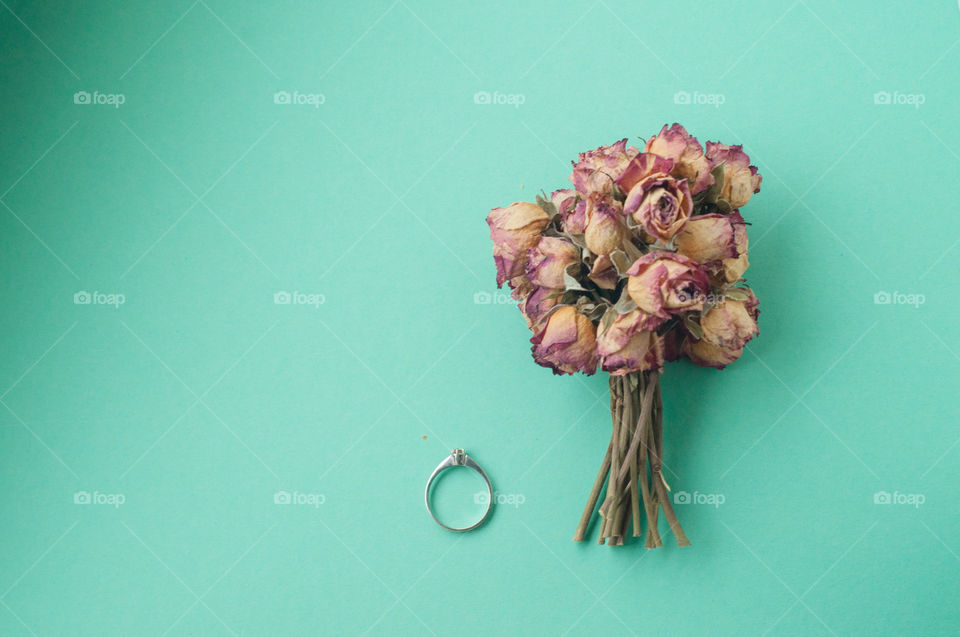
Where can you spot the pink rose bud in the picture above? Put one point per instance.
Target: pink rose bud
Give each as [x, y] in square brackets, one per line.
[535, 305]
[660, 204]
[728, 324]
[547, 260]
[514, 230]
[706, 354]
[641, 167]
[604, 273]
[740, 179]
[727, 328]
[627, 345]
[709, 238]
[563, 199]
[605, 231]
[664, 283]
[734, 268]
[596, 170]
[566, 342]
[688, 158]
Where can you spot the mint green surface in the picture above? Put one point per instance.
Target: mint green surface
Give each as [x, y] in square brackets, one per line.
[186, 409]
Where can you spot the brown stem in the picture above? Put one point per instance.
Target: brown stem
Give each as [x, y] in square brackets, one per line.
[650, 496]
[645, 412]
[661, 488]
[592, 498]
[606, 509]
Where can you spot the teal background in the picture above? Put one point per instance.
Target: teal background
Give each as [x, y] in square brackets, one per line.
[199, 398]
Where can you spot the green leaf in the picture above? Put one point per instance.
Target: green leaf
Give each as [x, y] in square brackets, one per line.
[547, 205]
[621, 261]
[737, 294]
[625, 304]
[692, 324]
[570, 281]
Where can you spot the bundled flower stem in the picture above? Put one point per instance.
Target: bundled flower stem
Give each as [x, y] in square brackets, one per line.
[640, 263]
[632, 467]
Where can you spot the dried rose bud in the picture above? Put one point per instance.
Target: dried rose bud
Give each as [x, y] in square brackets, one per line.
[684, 149]
[604, 273]
[537, 303]
[734, 268]
[706, 354]
[740, 179]
[605, 231]
[566, 342]
[575, 218]
[728, 324]
[627, 345]
[563, 200]
[547, 260]
[641, 167]
[727, 328]
[708, 238]
[514, 230]
[660, 204]
[595, 170]
[663, 283]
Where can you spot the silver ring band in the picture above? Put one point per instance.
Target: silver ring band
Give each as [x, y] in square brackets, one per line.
[458, 458]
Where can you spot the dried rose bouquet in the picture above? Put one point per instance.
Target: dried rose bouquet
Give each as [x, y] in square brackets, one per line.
[640, 263]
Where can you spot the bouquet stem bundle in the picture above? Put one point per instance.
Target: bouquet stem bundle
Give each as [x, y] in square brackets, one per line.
[633, 466]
